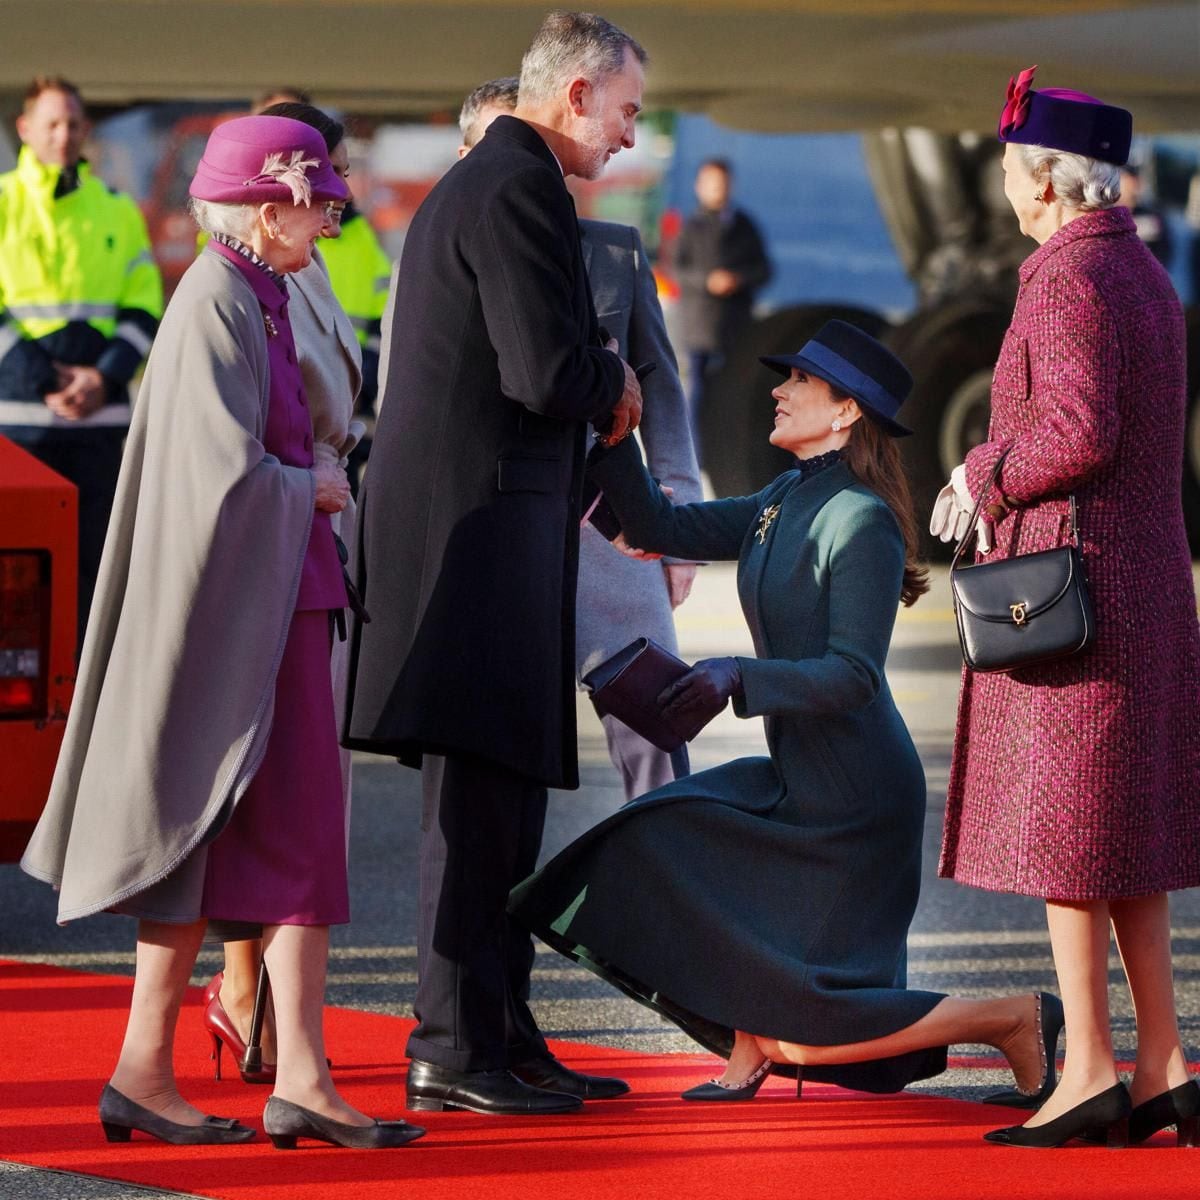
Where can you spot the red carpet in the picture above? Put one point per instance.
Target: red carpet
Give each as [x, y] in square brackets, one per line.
[60, 1033]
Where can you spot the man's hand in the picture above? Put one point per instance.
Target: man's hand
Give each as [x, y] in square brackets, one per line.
[81, 392]
[723, 282]
[680, 577]
[627, 414]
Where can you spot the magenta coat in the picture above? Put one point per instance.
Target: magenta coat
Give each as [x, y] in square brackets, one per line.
[1081, 780]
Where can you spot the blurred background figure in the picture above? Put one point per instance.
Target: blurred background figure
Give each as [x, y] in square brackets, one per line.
[359, 272]
[619, 598]
[1152, 226]
[720, 262]
[80, 299]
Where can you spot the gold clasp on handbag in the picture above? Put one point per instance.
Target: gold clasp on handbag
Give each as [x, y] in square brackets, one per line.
[1018, 612]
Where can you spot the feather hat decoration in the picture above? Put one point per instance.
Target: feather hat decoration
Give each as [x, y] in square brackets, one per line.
[290, 173]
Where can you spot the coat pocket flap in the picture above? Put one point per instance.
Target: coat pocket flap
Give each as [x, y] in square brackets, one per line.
[1032, 583]
[527, 474]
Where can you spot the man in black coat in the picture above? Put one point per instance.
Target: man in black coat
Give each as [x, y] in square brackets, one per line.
[720, 262]
[469, 541]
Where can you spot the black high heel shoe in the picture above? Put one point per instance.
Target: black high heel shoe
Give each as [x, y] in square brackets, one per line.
[1108, 1110]
[120, 1116]
[284, 1122]
[746, 1090]
[1179, 1107]
[1050, 1020]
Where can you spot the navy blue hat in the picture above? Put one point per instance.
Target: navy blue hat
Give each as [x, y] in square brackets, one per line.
[855, 363]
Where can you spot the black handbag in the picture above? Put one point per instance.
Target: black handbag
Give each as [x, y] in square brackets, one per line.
[1015, 612]
[627, 686]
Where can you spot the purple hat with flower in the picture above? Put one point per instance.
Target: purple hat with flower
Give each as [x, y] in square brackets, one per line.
[1061, 119]
[260, 160]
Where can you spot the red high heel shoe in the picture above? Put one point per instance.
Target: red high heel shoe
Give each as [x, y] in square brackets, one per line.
[224, 1033]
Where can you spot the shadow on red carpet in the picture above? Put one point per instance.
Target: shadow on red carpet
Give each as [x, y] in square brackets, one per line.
[61, 1031]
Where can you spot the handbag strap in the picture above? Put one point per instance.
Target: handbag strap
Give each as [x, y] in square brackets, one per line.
[983, 495]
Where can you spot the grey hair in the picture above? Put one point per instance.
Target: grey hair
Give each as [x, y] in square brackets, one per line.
[233, 220]
[496, 93]
[1087, 184]
[573, 45]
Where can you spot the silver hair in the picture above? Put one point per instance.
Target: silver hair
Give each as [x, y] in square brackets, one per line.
[233, 220]
[496, 93]
[1087, 184]
[573, 45]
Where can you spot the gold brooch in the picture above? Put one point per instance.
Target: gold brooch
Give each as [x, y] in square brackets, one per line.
[269, 322]
[764, 522]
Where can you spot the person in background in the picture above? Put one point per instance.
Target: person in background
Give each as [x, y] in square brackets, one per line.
[621, 598]
[328, 351]
[359, 271]
[468, 550]
[1077, 781]
[719, 262]
[199, 778]
[80, 300]
[1148, 218]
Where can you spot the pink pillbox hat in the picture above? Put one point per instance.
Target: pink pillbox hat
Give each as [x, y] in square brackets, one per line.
[259, 160]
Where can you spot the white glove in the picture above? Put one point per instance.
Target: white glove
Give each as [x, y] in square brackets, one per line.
[952, 512]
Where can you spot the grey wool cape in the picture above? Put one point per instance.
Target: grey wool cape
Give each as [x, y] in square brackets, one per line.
[201, 568]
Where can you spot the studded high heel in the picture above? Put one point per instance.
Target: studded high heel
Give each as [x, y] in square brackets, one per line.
[1050, 1021]
[714, 1089]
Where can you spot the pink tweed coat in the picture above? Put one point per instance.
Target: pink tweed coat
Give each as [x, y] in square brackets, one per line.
[1081, 780]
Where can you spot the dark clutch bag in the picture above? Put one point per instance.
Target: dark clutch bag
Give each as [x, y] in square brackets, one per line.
[628, 684]
[1015, 612]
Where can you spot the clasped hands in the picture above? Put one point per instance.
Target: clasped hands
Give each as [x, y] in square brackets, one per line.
[627, 414]
[952, 512]
[332, 485]
[695, 698]
[81, 391]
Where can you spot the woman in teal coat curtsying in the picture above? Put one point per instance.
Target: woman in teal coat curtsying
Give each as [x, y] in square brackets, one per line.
[764, 905]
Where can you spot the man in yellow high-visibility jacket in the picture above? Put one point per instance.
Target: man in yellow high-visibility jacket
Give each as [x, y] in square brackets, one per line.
[80, 300]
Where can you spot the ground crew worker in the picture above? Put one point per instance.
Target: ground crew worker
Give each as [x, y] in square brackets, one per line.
[359, 272]
[80, 299]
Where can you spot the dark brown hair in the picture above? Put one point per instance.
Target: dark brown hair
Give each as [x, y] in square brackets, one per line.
[331, 130]
[51, 83]
[874, 459]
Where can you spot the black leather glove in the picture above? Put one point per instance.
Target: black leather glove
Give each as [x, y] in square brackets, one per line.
[693, 700]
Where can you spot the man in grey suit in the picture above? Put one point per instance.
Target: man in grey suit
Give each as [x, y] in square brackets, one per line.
[621, 598]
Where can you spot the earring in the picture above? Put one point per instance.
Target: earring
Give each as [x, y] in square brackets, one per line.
[837, 425]
[1040, 197]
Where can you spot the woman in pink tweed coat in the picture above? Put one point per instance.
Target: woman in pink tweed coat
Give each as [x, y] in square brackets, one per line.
[1079, 781]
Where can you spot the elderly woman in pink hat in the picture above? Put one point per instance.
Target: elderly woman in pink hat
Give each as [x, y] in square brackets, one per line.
[199, 778]
[1077, 780]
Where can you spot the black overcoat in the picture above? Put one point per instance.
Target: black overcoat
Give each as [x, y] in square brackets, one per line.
[469, 529]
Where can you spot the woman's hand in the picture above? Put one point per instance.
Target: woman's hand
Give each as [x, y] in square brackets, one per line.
[333, 488]
[695, 698]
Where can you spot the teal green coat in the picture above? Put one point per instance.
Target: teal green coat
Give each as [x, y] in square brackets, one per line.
[771, 895]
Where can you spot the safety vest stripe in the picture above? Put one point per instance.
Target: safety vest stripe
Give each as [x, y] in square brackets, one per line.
[139, 339]
[139, 260]
[363, 322]
[9, 337]
[74, 311]
[374, 343]
[382, 282]
[35, 413]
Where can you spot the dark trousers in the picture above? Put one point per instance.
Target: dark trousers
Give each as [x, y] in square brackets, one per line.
[91, 460]
[702, 364]
[481, 830]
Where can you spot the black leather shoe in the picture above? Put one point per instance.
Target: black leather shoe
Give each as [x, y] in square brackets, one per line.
[432, 1089]
[1179, 1107]
[545, 1071]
